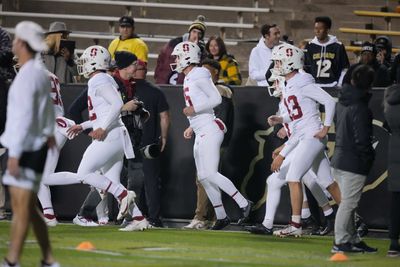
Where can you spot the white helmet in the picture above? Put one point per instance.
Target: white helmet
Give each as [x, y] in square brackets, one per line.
[276, 88]
[187, 53]
[290, 57]
[92, 59]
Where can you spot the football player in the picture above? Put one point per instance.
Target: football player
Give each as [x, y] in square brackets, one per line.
[301, 98]
[62, 125]
[276, 180]
[110, 137]
[201, 96]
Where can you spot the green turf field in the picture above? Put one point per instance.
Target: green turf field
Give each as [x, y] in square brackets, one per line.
[174, 247]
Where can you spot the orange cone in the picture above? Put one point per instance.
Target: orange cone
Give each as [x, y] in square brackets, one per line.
[85, 246]
[339, 257]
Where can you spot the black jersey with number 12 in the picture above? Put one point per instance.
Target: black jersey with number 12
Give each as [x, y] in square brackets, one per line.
[326, 61]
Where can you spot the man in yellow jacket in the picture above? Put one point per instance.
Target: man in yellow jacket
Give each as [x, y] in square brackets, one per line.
[128, 40]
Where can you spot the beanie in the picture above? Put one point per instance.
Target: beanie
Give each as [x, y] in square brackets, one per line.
[199, 24]
[123, 59]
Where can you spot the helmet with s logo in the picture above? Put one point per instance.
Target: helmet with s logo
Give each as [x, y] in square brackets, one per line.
[186, 53]
[92, 59]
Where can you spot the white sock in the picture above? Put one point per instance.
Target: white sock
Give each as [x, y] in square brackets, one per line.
[328, 212]
[214, 195]
[103, 183]
[136, 212]
[44, 196]
[228, 187]
[268, 223]
[305, 213]
[102, 208]
[296, 218]
[273, 189]
[61, 178]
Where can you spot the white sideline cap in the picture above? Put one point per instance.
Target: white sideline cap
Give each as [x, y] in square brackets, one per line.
[31, 33]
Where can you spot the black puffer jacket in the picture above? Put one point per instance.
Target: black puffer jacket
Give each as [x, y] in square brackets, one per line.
[353, 149]
[392, 115]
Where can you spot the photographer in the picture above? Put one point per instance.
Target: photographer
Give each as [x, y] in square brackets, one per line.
[59, 59]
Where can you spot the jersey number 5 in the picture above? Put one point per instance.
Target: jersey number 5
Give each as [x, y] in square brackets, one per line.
[187, 97]
[293, 107]
[92, 115]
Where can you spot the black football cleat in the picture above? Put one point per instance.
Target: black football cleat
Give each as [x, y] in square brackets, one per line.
[329, 226]
[259, 229]
[367, 249]
[246, 212]
[221, 224]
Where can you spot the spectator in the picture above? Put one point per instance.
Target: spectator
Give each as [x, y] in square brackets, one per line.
[163, 73]
[260, 57]
[392, 115]
[155, 131]
[229, 68]
[128, 40]
[384, 50]
[325, 57]
[224, 111]
[6, 75]
[369, 57]
[27, 139]
[59, 59]
[353, 156]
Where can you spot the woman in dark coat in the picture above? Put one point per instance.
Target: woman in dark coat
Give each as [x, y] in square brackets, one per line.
[392, 114]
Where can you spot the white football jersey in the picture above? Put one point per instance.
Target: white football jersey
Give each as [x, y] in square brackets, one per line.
[200, 92]
[283, 112]
[56, 95]
[98, 106]
[301, 98]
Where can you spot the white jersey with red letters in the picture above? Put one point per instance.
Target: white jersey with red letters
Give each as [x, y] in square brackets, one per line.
[101, 113]
[302, 97]
[200, 93]
[56, 95]
[283, 112]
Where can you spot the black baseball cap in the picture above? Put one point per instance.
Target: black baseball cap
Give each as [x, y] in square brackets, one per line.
[126, 21]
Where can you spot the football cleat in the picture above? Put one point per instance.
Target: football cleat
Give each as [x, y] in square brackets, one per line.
[136, 225]
[329, 226]
[246, 212]
[196, 224]
[125, 203]
[394, 251]
[293, 229]
[103, 220]
[6, 264]
[367, 249]
[259, 229]
[221, 224]
[50, 219]
[82, 221]
[310, 223]
[345, 248]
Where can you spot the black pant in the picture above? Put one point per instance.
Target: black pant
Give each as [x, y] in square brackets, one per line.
[152, 187]
[394, 225]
